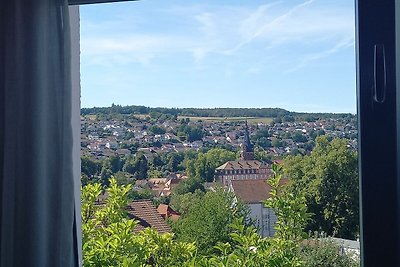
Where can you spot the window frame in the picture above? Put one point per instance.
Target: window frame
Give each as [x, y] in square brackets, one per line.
[89, 2]
[377, 131]
[379, 197]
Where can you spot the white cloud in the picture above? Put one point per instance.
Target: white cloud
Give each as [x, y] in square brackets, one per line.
[302, 23]
[307, 59]
[228, 31]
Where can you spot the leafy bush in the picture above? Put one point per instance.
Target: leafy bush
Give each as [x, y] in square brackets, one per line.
[212, 223]
[108, 235]
[316, 252]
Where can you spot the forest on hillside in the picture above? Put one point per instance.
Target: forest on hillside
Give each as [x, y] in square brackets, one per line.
[214, 112]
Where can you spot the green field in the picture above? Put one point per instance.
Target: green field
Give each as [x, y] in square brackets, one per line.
[251, 120]
[91, 117]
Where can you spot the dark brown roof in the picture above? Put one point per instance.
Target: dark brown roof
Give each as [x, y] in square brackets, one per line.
[243, 164]
[251, 191]
[147, 215]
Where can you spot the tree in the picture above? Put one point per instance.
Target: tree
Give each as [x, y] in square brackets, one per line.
[203, 167]
[157, 129]
[328, 179]
[105, 175]
[263, 142]
[124, 178]
[299, 137]
[211, 220]
[116, 163]
[90, 167]
[108, 238]
[206, 222]
[247, 248]
[288, 118]
[292, 217]
[317, 251]
[172, 161]
[189, 132]
[141, 166]
[189, 186]
[277, 142]
[129, 166]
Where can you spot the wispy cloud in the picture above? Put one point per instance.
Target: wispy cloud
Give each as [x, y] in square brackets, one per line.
[228, 31]
[308, 58]
[261, 24]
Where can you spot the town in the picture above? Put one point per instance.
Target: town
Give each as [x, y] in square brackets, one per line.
[104, 136]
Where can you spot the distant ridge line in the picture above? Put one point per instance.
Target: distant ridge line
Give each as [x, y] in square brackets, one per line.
[211, 112]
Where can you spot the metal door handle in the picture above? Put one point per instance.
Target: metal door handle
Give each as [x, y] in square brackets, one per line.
[379, 73]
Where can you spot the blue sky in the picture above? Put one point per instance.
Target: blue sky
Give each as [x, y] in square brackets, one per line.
[293, 54]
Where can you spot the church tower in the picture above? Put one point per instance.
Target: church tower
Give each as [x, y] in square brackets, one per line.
[247, 150]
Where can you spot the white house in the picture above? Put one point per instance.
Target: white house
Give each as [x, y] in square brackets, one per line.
[253, 193]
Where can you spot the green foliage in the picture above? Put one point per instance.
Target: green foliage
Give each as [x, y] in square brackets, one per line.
[328, 179]
[155, 129]
[162, 114]
[165, 251]
[105, 233]
[299, 137]
[115, 163]
[317, 251]
[246, 248]
[108, 237]
[276, 142]
[263, 142]
[141, 194]
[90, 167]
[182, 202]
[189, 133]
[189, 185]
[172, 161]
[291, 211]
[210, 220]
[203, 167]
[206, 221]
[124, 178]
[154, 174]
[137, 166]
[288, 118]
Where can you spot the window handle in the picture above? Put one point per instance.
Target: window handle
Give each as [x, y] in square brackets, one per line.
[379, 73]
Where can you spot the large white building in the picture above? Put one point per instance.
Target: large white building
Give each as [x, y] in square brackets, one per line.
[245, 168]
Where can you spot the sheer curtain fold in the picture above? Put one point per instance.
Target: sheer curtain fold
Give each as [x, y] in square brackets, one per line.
[36, 180]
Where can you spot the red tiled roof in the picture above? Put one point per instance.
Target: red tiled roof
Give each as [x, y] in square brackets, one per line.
[167, 212]
[163, 210]
[147, 215]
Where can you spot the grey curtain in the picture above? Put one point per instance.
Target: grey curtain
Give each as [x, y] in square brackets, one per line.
[37, 210]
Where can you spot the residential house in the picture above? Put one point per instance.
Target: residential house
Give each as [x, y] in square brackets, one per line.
[167, 212]
[253, 193]
[146, 214]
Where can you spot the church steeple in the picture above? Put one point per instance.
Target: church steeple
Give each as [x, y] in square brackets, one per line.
[247, 151]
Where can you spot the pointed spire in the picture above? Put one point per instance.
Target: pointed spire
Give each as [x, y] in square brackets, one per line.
[247, 137]
[247, 152]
